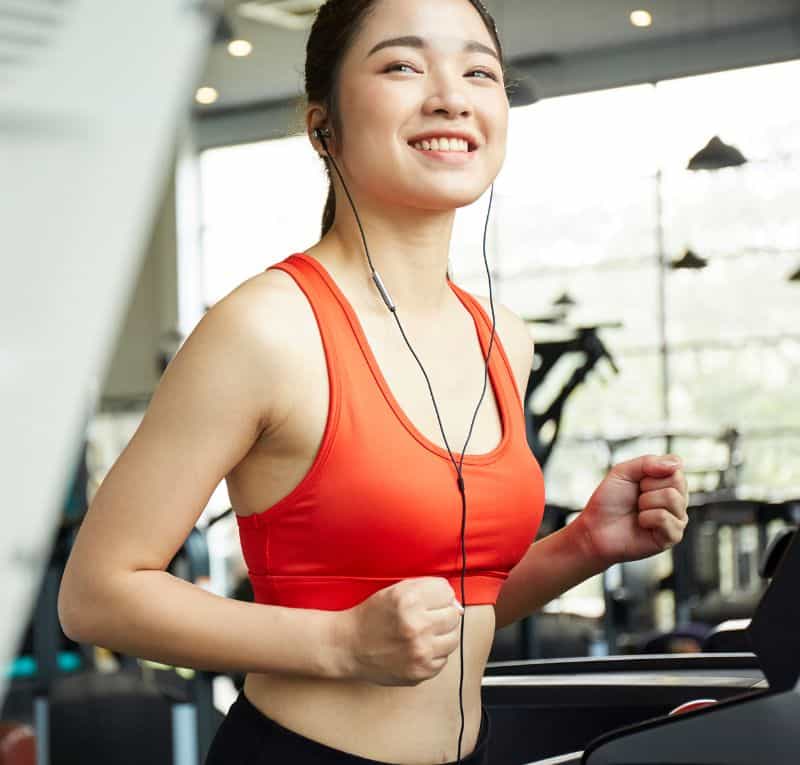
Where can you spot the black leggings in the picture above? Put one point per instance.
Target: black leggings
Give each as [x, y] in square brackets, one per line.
[248, 737]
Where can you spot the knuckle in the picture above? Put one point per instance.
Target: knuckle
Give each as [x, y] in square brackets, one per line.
[406, 600]
[419, 653]
[395, 594]
[408, 630]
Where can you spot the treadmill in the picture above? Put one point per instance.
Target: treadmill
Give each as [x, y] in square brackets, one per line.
[615, 710]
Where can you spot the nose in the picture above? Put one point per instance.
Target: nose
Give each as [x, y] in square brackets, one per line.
[448, 97]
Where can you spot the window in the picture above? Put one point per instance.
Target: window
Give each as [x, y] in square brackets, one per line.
[576, 209]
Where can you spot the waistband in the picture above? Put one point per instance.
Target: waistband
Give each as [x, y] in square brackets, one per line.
[338, 593]
[244, 708]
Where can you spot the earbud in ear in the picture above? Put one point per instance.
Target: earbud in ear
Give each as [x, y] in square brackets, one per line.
[321, 133]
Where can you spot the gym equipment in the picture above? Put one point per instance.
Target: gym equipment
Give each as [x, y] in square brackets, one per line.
[690, 706]
[545, 708]
[697, 561]
[732, 635]
[585, 342]
[80, 714]
[703, 598]
[628, 625]
[753, 720]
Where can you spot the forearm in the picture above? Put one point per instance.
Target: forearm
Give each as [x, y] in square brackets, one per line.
[551, 566]
[155, 615]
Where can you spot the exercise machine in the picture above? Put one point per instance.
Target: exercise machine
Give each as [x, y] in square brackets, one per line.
[616, 710]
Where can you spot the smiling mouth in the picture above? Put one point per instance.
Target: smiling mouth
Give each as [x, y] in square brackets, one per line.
[460, 146]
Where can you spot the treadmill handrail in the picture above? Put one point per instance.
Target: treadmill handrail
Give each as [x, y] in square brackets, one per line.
[643, 663]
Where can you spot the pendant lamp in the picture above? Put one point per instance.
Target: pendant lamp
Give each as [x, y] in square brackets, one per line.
[565, 301]
[715, 155]
[689, 260]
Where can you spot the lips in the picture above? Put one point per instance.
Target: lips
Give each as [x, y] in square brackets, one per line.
[447, 157]
[472, 141]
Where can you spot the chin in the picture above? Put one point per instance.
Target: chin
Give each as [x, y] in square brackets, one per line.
[449, 201]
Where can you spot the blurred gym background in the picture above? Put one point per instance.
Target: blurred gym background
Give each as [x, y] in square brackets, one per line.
[645, 224]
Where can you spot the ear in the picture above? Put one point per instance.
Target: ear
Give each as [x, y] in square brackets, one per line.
[316, 117]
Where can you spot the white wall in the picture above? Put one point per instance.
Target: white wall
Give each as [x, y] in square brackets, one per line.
[133, 370]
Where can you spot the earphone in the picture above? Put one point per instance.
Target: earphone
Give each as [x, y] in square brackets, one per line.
[321, 134]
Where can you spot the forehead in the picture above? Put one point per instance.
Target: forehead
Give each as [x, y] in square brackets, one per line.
[444, 24]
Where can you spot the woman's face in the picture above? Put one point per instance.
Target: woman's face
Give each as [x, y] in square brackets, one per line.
[397, 94]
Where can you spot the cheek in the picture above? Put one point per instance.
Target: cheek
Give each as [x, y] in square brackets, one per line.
[373, 101]
[497, 132]
[500, 123]
[500, 142]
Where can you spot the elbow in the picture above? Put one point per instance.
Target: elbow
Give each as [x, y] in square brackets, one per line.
[67, 615]
[74, 609]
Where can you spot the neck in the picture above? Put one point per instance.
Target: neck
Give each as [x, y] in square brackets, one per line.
[409, 249]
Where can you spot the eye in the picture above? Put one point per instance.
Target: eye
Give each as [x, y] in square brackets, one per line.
[395, 67]
[489, 75]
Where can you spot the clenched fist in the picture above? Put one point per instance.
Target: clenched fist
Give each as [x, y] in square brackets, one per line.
[403, 634]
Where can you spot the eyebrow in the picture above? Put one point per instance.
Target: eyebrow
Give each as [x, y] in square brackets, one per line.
[412, 41]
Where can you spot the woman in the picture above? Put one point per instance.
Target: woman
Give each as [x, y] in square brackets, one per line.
[299, 390]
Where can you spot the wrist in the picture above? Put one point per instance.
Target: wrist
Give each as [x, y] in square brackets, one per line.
[581, 537]
[339, 661]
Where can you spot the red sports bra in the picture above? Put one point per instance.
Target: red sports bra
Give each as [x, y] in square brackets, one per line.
[380, 502]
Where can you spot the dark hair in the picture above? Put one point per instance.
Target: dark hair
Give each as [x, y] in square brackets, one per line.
[335, 27]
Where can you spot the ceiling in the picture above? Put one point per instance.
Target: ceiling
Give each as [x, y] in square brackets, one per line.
[557, 47]
[528, 28]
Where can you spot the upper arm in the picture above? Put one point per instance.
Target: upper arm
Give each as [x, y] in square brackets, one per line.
[517, 341]
[213, 400]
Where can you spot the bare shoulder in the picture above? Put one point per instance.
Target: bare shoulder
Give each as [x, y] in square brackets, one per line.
[275, 315]
[271, 293]
[516, 338]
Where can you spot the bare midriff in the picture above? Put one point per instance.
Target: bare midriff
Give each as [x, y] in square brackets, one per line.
[412, 725]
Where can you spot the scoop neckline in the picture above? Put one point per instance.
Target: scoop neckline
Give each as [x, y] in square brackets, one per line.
[494, 380]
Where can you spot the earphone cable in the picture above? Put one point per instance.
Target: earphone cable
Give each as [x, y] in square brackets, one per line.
[391, 306]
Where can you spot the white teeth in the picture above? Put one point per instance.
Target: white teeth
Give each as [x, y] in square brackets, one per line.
[443, 144]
